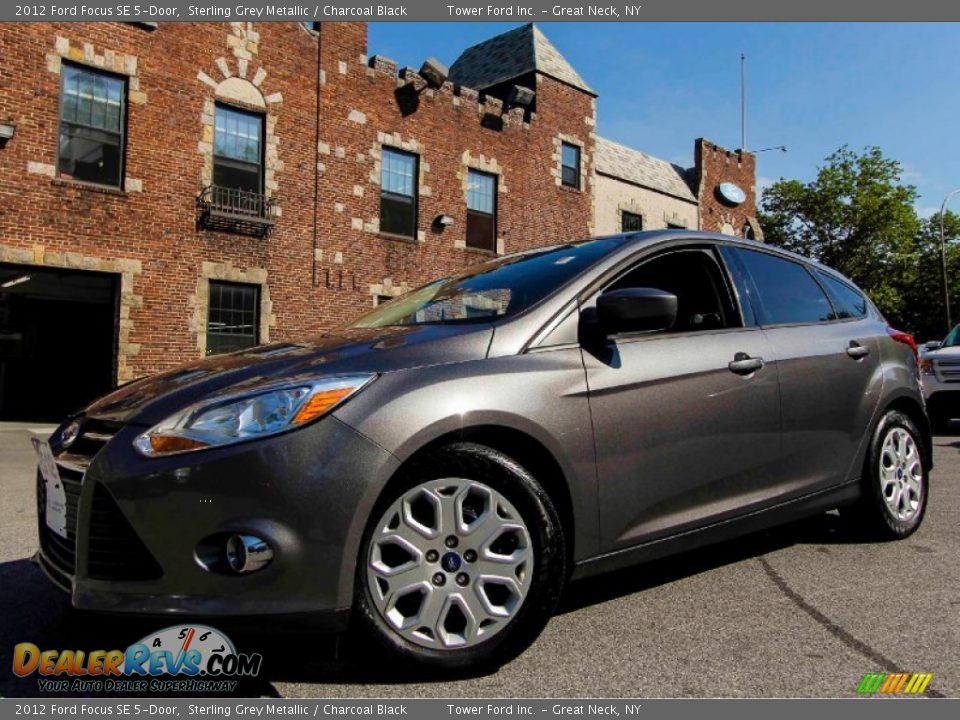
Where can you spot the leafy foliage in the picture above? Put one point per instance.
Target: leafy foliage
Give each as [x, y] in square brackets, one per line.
[858, 217]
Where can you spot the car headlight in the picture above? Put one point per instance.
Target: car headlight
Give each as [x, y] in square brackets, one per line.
[252, 414]
[926, 366]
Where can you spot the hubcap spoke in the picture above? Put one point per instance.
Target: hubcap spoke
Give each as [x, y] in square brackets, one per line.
[900, 474]
[451, 563]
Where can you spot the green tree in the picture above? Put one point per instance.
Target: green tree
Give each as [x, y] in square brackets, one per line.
[924, 314]
[856, 216]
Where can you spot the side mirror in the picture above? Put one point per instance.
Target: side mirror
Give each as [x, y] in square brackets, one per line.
[933, 345]
[636, 310]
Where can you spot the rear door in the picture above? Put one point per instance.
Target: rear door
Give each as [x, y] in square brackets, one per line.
[686, 421]
[828, 358]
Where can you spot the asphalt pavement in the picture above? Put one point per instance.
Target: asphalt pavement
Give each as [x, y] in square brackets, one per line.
[801, 611]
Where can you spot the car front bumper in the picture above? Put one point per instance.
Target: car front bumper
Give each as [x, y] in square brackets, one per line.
[141, 530]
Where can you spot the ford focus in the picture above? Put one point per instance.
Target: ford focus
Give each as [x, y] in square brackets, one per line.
[436, 471]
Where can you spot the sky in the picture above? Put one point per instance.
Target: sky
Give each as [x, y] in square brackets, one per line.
[810, 86]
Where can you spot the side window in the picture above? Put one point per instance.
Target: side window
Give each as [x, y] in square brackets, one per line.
[92, 123]
[703, 298]
[237, 154]
[481, 210]
[233, 319]
[630, 222]
[788, 293]
[570, 165]
[849, 303]
[398, 193]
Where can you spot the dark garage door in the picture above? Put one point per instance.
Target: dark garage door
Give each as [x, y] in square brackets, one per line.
[58, 340]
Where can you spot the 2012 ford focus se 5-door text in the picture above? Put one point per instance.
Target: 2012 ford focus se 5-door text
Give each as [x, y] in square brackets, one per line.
[437, 470]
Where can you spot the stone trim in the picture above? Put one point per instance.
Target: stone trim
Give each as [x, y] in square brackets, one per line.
[394, 140]
[633, 207]
[199, 302]
[119, 63]
[388, 288]
[557, 158]
[483, 164]
[126, 268]
[757, 230]
[242, 86]
[674, 218]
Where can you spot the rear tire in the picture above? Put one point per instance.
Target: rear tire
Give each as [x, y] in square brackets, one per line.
[895, 481]
[474, 529]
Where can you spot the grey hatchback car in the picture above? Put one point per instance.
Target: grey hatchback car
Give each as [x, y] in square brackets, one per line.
[437, 470]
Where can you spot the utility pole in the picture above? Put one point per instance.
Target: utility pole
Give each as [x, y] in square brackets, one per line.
[743, 102]
[943, 259]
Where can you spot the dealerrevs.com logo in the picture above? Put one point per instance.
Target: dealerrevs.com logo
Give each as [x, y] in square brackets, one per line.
[191, 658]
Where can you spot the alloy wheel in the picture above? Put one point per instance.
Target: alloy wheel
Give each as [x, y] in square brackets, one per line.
[450, 563]
[901, 474]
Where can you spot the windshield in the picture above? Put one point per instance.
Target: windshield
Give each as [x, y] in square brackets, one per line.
[953, 338]
[495, 289]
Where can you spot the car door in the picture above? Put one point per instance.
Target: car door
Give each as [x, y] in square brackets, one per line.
[828, 358]
[686, 421]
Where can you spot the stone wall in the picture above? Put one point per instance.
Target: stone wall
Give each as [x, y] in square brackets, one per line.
[658, 210]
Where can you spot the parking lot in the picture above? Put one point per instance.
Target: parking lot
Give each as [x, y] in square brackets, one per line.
[804, 611]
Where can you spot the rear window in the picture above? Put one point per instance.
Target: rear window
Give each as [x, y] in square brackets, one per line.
[848, 302]
[787, 291]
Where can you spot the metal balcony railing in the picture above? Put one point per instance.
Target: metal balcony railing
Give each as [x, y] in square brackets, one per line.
[235, 210]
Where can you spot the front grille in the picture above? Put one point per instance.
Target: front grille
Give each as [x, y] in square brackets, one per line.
[114, 552]
[948, 370]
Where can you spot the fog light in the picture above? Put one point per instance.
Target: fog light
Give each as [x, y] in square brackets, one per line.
[247, 553]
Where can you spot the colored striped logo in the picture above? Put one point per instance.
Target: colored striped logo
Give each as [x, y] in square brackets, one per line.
[894, 683]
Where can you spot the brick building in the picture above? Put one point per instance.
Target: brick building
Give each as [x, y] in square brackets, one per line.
[176, 190]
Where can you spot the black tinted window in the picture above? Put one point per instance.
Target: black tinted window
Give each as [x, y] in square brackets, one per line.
[703, 301]
[788, 293]
[848, 302]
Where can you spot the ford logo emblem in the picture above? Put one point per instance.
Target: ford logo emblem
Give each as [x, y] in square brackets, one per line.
[731, 193]
[450, 562]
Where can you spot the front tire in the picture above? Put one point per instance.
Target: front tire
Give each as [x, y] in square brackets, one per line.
[462, 562]
[895, 481]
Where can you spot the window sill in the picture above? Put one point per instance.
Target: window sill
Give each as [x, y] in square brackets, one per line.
[481, 251]
[398, 238]
[570, 188]
[92, 187]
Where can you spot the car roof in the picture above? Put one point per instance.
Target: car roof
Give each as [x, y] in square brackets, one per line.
[646, 237]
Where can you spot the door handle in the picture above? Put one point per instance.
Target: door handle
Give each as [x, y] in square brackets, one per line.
[857, 351]
[743, 364]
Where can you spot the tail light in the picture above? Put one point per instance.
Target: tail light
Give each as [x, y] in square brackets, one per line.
[905, 338]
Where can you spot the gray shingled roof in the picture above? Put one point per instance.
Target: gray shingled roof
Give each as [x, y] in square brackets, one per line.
[510, 55]
[625, 163]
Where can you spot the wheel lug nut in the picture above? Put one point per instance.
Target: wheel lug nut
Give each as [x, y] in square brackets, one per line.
[451, 541]
[462, 579]
[470, 556]
[432, 556]
[439, 579]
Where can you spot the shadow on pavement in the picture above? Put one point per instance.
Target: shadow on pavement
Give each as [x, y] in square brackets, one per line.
[34, 610]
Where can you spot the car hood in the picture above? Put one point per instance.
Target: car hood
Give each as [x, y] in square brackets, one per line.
[367, 350]
[946, 352]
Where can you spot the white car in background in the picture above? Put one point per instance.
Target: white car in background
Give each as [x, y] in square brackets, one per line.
[940, 373]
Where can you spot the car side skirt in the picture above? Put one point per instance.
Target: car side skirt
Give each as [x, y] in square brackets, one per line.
[779, 514]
